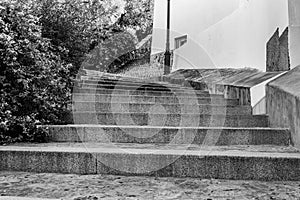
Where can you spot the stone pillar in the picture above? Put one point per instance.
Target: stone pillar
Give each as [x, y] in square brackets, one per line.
[284, 54]
[278, 58]
[273, 52]
[294, 26]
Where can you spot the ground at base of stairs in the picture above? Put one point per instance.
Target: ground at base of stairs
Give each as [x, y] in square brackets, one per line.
[86, 187]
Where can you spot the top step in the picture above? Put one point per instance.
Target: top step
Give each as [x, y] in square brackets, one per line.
[141, 87]
[130, 83]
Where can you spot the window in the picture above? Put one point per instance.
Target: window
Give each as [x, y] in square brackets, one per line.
[180, 41]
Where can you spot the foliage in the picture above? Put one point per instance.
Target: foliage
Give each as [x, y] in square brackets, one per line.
[35, 86]
[43, 43]
[76, 26]
[114, 53]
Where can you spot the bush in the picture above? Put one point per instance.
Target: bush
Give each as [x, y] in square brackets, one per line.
[35, 83]
[42, 46]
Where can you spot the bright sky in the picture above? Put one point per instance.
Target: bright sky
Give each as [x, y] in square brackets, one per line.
[230, 33]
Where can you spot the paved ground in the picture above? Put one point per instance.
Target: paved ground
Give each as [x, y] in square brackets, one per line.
[93, 187]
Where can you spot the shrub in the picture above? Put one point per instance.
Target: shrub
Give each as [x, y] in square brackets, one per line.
[35, 83]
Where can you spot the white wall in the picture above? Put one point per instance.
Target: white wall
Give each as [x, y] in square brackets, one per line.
[222, 33]
[294, 20]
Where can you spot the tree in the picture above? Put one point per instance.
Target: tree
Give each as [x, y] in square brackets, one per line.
[35, 85]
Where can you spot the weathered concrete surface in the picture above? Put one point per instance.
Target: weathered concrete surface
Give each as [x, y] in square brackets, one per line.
[162, 135]
[231, 162]
[158, 58]
[143, 92]
[244, 77]
[278, 58]
[138, 87]
[90, 187]
[243, 94]
[284, 60]
[283, 103]
[154, 108]
[169, 120]
[43, 160]
[152, 99]
[273, 52]
[233, 83]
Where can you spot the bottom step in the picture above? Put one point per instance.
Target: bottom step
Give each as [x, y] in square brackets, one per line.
[229, 162]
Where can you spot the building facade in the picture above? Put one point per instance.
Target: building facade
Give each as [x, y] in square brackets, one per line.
[231, 33]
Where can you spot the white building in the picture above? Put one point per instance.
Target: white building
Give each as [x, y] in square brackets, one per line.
[226, 33]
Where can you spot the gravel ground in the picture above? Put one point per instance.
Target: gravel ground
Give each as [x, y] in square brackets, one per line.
[93, 187]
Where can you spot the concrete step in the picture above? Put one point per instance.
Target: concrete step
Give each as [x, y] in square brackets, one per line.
[121, 79]
[267, 163]
[169, 135]
[142, 87]
[153, 99]
[129, 83]
[170, 120]
[97, 76]
[143, 92]
[161, 108]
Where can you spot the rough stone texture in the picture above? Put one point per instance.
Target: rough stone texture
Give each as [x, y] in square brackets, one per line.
[232, 83]
[284, 59]
[142, 92]
[232, 162]
[155, 108]
[170, 120]
[243, 94]
[273, 52]
[278, 52]
[140, 87]
[47, 161]
[90, 187]
[159, 58]
[152, 99]
[161, 135]
[283, 103]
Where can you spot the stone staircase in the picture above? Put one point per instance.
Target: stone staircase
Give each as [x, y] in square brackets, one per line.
[126, 126]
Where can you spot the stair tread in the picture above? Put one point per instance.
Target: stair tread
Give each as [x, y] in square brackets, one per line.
[164, 127]
[165, 104]
[153, 96]
[269, 151]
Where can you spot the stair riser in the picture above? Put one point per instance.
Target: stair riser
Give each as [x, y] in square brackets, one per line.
[96, 77]
[171, 120]
[160, 108]
[214, 137]
[130, 83]
[158, 165]
[151, 99]
[137, 92]
[138, 86]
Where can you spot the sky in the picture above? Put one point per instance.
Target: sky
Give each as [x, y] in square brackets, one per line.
[222, 33]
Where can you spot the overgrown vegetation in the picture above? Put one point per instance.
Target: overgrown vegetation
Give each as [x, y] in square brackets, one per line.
[43, 44]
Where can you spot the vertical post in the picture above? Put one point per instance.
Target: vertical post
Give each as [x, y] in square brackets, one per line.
[167, 67]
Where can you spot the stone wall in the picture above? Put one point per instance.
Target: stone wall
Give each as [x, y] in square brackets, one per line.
[243, 94]
[160, 57]
[278, 58]
[283, 103]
